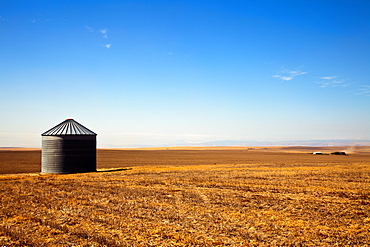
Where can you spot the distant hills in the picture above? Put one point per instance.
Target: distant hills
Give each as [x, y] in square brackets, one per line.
[310, 143]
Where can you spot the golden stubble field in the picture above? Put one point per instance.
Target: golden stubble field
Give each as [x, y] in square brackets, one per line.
[177, 197]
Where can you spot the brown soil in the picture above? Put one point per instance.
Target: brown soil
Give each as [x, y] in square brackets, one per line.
[19, 160]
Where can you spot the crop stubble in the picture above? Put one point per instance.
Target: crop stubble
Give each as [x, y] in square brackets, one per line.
[191, 198]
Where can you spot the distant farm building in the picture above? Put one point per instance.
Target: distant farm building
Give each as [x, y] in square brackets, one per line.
[68, 147]
[338, 153]
[317, 153]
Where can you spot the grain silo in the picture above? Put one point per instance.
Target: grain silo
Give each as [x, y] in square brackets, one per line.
[68, 147]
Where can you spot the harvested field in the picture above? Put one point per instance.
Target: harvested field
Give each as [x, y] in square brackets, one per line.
[238, 197]
[20, 160]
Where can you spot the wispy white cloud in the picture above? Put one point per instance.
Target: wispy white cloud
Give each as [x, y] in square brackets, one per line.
[328, 77]
[104, 32]
[296, 72]
[336, 81]
[364, 90]
[89, 28]
[331, 81]
[285, 78]
[287, 75]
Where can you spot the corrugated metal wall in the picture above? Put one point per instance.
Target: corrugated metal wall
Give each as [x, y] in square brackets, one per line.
[68, 154]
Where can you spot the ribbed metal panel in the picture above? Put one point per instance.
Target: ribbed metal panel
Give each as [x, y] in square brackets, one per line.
[64, 152]
[68, 154]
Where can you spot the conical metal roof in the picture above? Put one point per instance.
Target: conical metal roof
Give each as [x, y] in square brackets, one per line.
[68, 127]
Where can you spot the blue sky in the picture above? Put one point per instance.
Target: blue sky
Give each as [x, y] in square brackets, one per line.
[143, 73]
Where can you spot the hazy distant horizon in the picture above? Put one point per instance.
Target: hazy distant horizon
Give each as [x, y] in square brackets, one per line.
[230, 143]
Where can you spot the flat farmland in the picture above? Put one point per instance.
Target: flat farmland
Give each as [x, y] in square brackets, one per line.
[280, 196]
[20, 160]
